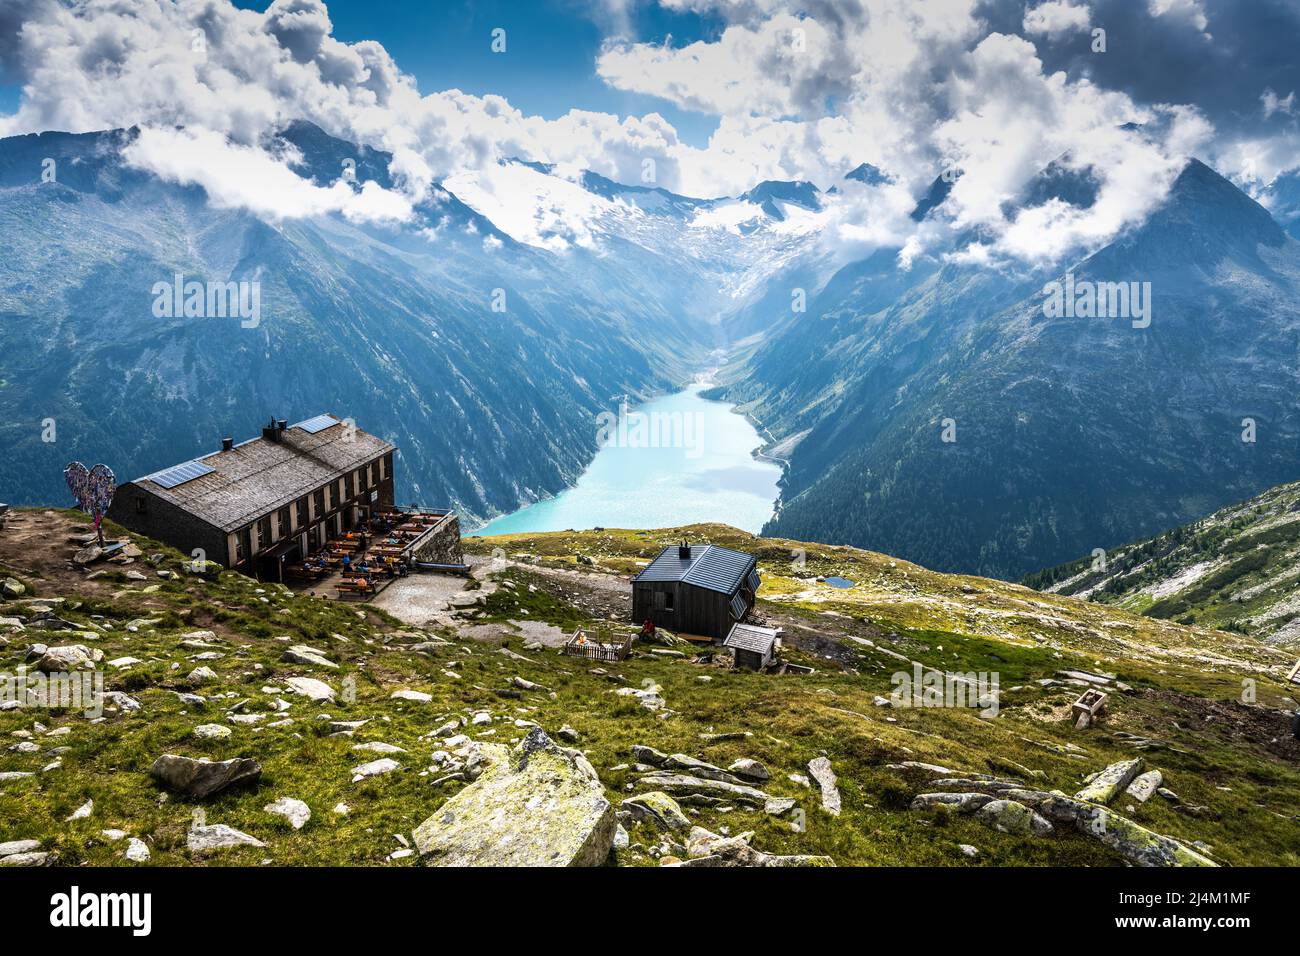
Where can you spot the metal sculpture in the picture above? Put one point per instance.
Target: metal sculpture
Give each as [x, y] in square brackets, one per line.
[92, 489]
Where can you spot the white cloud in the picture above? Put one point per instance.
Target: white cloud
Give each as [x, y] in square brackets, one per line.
[1275, 104]
[1056, 18]
[1188, 11]
[804, 93]
[245, 177]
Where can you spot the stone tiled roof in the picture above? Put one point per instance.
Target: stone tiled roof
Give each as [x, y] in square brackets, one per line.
[258, 476]
[751, 637]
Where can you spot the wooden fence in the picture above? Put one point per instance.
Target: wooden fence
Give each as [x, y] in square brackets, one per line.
[581, 645]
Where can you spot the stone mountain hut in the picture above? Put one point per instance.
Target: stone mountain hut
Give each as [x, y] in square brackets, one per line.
[253, 505]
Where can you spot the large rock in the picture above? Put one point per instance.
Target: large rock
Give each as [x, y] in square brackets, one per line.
[205, 839]
[961, 802]
[819, 768]
[682, 785]
[1134, 842]
[1008, 816]
[1111, 782]
[706, 848]
[200, 779]
[750, 769]
[535, 805]
[295, 811]
[311, 688]
[698, 768]
[658, 808]
[1144, 786]
[305, 654]
[68, 657]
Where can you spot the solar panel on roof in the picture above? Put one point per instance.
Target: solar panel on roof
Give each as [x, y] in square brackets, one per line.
[318, 424]
[179, 474]
[738, 606]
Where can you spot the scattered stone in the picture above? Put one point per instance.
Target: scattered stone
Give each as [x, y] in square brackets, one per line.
[684, 785]
[311, 688]
[1008, 816]
[68, 657]
[1136, 843]
[927, 767]
[14, 847]
[567, 733]
[1144, 786]
[819, 768]
[201, 675]
[199, 779]
[527, 684]
[710, 849]
[1111, 782]
[82, 812]
[968, 850]
[212, 731]
[535, 805]
[779, 806]
[643, 754]
[961, 802]
[295, 811]
[375, 746]
[303, 654]
[13, 588]
[137, 851]
[205, 839]
[750, 770]
[414, 695]
[658, 808]
[375, 768]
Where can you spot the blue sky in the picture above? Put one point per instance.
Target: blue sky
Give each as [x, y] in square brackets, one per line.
[551, 47]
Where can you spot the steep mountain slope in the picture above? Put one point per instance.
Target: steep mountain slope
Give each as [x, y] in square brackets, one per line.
[467, 671]
[1238, 569]
[394, 326]
[1067, 432]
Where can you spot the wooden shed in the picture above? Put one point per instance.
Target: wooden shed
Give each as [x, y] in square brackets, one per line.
[696, 590]
[751, 646]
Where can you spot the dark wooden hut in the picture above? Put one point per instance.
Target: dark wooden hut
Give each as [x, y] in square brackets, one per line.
[696, 590]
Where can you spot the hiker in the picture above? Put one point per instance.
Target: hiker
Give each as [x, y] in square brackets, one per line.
[648, 630]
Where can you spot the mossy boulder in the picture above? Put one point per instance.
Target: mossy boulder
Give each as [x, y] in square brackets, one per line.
[535, 805]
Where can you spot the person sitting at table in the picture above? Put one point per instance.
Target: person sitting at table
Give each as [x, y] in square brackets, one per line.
[347, 561]
[364, 566]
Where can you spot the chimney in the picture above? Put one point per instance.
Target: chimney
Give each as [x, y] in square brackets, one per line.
[227, 444]
[270, 431]
[282, 424]
[684, 551]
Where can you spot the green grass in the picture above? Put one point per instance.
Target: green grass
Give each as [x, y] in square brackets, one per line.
[791, 718]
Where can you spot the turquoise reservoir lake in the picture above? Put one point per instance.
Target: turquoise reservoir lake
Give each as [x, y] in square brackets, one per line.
[679, 459]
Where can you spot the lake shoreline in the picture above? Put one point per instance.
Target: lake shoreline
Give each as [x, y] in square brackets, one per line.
[710, 469]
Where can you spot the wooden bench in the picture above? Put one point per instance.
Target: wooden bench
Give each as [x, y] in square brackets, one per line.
[358, 586]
